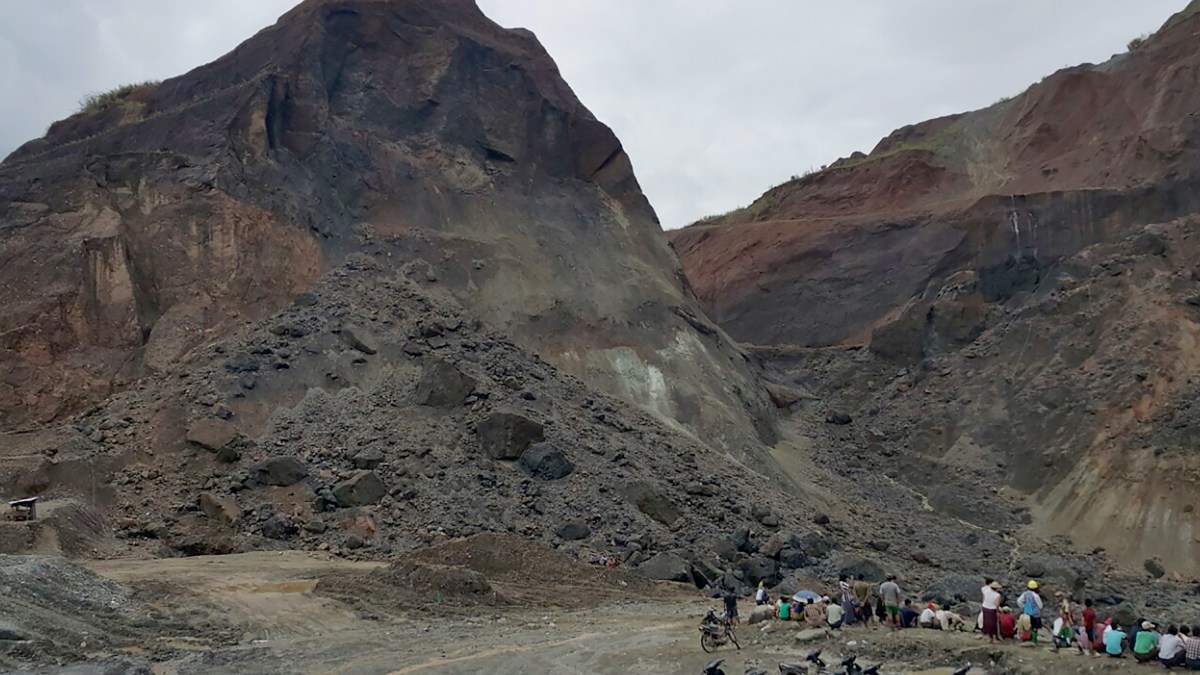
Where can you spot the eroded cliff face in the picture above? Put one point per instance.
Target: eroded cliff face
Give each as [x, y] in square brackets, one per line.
[418, 133]
[1082, 157]
[1004, 301]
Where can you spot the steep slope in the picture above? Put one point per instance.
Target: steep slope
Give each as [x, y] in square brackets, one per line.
[1081, 157]
[409, 131]
[1003, 301]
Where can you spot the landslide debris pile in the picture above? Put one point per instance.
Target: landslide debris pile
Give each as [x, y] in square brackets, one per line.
[411, 131]
[487, 569]
[57, 611]
[998, 307]
[408, 424]
[1078, 390]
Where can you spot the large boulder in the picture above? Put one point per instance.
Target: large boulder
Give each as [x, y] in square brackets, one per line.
[282, 471]
[759, 568]
[223, 510]
[506, 434]
[810, 635]
[856, 565]
[545, 461]
[652, 502]
[213, 434]
[666, 566]
[817, 545]
[279, 526]
[443, 385]
[954, 589]
[761, 613]
[573, 531]
[360, 339]
[779, 541]
[361, 489]
[793, 559]
[706, 572]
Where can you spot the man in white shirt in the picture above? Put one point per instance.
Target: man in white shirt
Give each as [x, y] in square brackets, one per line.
[928, 617]
[1171, 652]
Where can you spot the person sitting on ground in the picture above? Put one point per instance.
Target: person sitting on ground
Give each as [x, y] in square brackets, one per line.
[1145, 645]
[1008, 623]
[1134, 630]
[784, 612]
[1171, 652]
[1025, 627]
[908, 615]
[1114, 641]
[834, 616]
[928, 618]
[1191, 647]
[814, 613]
[760, 596]
[949, 621]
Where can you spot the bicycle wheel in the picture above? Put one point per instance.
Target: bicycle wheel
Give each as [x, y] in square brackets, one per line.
[707, 643]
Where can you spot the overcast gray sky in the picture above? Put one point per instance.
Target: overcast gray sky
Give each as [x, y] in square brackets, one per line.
[715, 100]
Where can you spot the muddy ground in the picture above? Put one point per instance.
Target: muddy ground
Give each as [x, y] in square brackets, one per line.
[265, 612]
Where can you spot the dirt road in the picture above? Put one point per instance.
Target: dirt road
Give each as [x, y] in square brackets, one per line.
[288, 628]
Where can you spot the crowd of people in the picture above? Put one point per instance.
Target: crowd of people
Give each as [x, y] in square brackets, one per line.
[1065, 623]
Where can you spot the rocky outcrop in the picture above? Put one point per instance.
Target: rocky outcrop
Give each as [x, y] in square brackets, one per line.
[419, 134]
[1002, 302]
[1085, 156]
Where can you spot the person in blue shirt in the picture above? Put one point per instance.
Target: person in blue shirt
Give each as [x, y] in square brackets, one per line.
[1114, 641]
[908, 615]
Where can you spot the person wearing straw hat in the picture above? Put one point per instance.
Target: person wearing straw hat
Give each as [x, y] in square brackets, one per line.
[1145, 645]
[991, 611]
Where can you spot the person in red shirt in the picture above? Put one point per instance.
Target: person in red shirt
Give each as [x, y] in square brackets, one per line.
[1008, 623]
[1089, 621]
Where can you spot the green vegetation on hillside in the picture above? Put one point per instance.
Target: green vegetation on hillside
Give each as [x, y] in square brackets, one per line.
[101, 101]
[1139, 42]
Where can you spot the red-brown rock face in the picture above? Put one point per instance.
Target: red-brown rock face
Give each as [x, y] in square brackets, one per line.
[421, 134]
[1005, 300]
[1079, 158]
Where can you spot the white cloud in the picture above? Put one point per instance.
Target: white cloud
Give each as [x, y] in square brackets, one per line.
[715, 100]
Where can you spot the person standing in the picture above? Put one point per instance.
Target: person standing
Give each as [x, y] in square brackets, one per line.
[731, 612]
[1031, 605]
[991, 611]
[862, 596]
[847, 599]
[891, 595]
[1089, 623]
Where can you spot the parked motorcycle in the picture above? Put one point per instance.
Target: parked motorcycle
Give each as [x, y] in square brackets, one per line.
[716, 631]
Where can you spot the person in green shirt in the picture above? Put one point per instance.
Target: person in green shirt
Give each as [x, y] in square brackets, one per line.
[785, 608]
[1145, 644]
